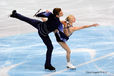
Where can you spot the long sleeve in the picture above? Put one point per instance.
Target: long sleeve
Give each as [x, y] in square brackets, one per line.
[43, 14]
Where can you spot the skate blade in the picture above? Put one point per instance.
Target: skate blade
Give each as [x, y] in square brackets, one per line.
[37, 12]
[50, 70]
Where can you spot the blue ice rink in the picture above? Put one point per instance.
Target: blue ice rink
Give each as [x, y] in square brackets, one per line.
[92, 54]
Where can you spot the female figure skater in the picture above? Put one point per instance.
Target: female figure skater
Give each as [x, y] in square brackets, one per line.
[68, 30]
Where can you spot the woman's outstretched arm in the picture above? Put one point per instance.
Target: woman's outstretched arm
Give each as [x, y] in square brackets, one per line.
[85, 26]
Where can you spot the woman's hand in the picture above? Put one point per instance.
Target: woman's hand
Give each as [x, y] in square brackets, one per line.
[47, 11]
[44, 19]
[95, 25]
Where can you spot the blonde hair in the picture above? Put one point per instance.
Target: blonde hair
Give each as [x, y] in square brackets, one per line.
[69, 17]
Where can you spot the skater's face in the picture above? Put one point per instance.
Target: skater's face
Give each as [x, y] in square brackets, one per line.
[71, 19]
[60, 13]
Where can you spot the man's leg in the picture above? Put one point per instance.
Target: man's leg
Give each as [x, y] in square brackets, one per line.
[49, 46]
[33, 22]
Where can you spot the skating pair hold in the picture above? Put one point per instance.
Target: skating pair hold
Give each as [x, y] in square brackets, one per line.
[69, 65]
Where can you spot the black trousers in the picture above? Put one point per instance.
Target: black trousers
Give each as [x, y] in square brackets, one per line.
[46, 39]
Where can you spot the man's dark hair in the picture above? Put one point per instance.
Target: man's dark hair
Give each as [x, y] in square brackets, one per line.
[56, 11]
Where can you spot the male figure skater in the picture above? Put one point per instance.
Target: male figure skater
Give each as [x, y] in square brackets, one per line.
[44, 28]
